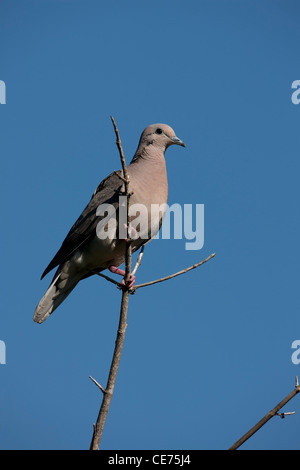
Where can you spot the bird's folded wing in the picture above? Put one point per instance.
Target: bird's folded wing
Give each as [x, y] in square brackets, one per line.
[85, 226]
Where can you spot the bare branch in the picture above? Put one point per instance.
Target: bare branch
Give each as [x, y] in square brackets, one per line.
[266, 418]
[107, 396]
[123, 161]
[99, 426]
[186, 270]
[127, 194]
[138, 286]
[287, 413]
[138, 262]
[119, 176]
[98, 385]
[108, 279]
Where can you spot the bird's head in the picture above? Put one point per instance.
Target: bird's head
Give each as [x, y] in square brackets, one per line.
[160, 135]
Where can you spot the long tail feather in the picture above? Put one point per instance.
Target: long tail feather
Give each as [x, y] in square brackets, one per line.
[54, 296]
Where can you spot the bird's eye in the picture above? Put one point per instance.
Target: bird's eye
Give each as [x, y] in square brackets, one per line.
[158, 131]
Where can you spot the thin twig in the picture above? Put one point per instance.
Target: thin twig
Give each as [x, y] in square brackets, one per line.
[287, 413]
[98, 385]
[122, 156]
[138, 262]
[108, 279]
[107, 396]
[266, 418]
[119, 176]
[186, 270]
[127, 193]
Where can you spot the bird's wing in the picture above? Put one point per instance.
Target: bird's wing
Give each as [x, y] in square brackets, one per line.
[85, 226]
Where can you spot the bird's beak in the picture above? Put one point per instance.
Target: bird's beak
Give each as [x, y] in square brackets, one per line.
[177, 141]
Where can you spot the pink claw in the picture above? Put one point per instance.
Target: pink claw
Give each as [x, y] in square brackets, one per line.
[130, 283]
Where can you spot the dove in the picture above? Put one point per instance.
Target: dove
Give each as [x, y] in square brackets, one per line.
[84, 252]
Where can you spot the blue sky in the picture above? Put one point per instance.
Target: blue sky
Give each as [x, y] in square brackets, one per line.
[207, 354]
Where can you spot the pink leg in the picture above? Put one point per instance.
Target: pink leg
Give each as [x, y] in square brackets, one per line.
[115, 270]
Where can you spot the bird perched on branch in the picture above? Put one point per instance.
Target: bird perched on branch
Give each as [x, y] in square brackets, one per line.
[94, 243]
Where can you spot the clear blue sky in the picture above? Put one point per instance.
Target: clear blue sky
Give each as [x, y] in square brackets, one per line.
[209, 353]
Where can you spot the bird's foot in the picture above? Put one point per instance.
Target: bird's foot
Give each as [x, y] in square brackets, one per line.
[125, 286]
[129, 284]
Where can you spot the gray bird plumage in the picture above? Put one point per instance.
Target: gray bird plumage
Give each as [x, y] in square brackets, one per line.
[82, 252]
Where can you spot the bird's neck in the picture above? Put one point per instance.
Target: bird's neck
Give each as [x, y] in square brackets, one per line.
[148, 170]
[152, 160]
[149, 153]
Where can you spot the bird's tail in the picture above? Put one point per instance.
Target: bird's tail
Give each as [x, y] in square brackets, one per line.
[57, 292]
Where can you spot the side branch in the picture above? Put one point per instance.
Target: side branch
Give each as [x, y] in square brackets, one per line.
[139, 260]
[98, 385]
[266, 418]
[183, 271]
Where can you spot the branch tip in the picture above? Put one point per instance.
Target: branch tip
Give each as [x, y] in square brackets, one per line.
[179, 273]
[98, 385]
